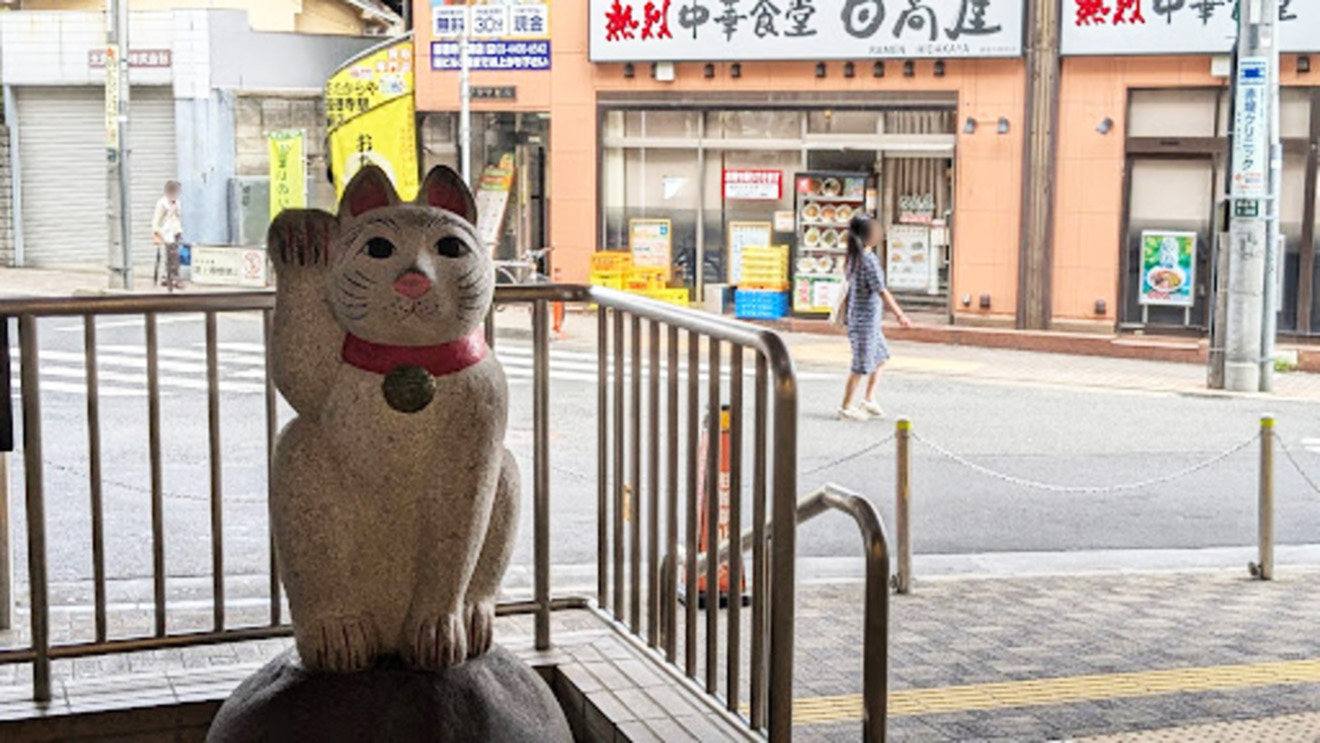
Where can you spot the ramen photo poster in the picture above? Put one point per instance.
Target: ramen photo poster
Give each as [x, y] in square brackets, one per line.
[1168, 268]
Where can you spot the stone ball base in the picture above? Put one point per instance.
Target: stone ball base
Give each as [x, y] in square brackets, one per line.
[495, 698]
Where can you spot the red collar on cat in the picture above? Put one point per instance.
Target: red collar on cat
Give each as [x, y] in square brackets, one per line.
[446, 358]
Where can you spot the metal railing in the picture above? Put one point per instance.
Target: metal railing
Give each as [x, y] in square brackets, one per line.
[875, 540]
[628, 564]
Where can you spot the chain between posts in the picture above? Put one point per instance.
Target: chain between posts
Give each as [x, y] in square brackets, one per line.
[1292, 459]
[849, 457]
[1083, 489]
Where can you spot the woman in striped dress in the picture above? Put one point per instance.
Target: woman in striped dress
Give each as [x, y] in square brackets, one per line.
[866, 290]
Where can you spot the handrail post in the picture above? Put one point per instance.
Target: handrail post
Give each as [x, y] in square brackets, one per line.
[902, 506]
[35, 502]
[875, 666]
[1264, 568]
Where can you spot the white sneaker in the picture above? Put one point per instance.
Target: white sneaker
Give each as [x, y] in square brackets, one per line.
[851, 414]
[873, 409]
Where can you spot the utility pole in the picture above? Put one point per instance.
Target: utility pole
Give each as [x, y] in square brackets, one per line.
[1256, 90]
[118, 177]
[1273, 298]
[465, 96]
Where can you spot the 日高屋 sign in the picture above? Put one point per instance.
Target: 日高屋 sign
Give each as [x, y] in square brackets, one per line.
[701, 30]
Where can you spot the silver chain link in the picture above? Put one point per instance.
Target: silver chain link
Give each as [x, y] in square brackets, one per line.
[1297, 465]
[850, 457]
[1083, 489]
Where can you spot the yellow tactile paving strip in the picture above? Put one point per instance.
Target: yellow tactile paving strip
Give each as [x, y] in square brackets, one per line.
[1303, 728]
[1044, 692]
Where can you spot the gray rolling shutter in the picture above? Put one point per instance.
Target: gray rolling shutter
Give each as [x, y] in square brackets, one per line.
[62, 156]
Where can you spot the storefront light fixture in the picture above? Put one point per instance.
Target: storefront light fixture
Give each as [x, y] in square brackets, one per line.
[709, 71]
[1003, 125]
[878, 69]
[909, 68]
[985, 301]
[629, 71]
[735, 69]
[1106, 125]
[939, 68]
[849, 70]
[970, 126]
[820, 69]
[1303, 64]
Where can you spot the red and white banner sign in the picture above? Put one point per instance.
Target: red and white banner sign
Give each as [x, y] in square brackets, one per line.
[754, 185]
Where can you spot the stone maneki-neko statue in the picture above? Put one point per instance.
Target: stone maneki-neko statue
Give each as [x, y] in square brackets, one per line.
[394, 502]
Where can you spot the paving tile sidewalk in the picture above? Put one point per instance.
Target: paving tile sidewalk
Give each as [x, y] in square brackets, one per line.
[1069, 640]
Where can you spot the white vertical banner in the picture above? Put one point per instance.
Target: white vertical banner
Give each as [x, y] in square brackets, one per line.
[1251, 154]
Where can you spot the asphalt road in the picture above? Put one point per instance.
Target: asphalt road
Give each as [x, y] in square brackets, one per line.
[1067, 436]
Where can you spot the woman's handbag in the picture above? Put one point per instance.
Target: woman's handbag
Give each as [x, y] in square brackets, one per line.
[839, 313]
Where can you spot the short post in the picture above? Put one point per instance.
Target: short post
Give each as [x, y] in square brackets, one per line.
[903, 437]
[1264, 568]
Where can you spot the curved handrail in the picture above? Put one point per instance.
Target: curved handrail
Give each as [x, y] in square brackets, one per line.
[875, 650]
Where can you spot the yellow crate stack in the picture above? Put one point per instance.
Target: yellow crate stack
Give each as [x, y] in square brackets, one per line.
[765, 269]
[671, 296]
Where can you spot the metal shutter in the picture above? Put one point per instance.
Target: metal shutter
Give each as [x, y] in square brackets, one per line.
[62, 156]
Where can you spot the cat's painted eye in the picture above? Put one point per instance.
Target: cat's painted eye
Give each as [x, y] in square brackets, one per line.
[451, 247]
[379, 247]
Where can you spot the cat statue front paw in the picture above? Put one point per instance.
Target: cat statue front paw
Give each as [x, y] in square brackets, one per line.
[438, 642]
[340, 644]
[480, 627]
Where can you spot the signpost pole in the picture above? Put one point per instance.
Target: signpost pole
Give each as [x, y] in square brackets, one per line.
[118, 189]
[465, 96]
[1274, 252]
[1255, 84]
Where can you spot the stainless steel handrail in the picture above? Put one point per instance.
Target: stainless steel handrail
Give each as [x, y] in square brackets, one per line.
[875, 651]
[773, 611]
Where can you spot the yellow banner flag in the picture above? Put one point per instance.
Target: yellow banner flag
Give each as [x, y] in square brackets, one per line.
[288, 171]
[371, 117]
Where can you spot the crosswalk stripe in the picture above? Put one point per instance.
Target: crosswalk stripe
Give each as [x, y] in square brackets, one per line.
[243, 368]
[135, 322]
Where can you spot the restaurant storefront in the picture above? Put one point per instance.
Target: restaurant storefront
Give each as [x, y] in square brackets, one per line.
[692, 136]
[698, 137]
[1146, 116]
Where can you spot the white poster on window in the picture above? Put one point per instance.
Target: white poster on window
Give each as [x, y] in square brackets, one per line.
[1131, 27]
[712, 30]
[909, 261]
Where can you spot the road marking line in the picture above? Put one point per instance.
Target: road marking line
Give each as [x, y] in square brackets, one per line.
[1065, 690]
[132, 323]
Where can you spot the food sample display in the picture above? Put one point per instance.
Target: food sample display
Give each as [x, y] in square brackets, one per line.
[825, 202]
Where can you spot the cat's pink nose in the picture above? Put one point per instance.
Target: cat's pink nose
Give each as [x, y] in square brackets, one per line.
[412, 284]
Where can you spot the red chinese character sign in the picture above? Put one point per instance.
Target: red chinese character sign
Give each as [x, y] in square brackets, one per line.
[1136, 27]
[701, 30]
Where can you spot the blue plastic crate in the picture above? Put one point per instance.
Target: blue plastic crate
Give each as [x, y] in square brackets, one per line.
[751, 304]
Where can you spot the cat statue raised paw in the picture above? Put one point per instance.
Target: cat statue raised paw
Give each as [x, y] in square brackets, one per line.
[393, 502]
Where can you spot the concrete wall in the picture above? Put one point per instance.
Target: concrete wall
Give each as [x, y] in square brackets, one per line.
[242, 58]
[256, 115]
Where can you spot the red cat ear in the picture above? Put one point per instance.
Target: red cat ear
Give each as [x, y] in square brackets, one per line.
[446, 190]
[369, 189]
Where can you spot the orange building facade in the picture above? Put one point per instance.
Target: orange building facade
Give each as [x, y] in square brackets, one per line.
[617, 137]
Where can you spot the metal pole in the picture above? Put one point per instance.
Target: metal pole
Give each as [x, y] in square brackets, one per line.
[6, 569]
[1256, 86]
[465, 97]
[118, 182]
[1273, 298]
[903, 438]
[1264, 569]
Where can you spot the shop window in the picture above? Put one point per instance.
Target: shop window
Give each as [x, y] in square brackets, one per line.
[1172, 113]
[1171, 196]
[843, 122]
[651, 184]
[1292, 211]
[754, 125]
[612, 125]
